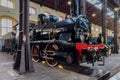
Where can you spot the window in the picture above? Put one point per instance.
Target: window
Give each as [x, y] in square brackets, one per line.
[7, 3]
[97, 29]
[32, 10]
[92, 28]
[100, 30]
[6, 25]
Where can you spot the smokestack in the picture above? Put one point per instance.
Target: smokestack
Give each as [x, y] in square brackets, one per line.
[75, 8]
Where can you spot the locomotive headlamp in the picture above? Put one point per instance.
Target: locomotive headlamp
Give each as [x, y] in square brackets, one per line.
[83, 23]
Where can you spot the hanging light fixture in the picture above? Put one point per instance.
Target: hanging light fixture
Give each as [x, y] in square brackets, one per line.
[116, 9]
[93, 15]
[69, 2]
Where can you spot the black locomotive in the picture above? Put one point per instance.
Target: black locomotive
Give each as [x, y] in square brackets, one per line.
[57, 41]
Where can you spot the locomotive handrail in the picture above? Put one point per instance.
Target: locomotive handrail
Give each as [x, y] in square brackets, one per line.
[42, 41]
[53, 41]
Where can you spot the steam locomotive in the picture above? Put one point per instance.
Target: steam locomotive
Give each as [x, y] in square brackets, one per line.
[64, 41]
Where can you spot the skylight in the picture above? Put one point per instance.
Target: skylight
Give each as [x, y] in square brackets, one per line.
[110, 13]
[98, 4]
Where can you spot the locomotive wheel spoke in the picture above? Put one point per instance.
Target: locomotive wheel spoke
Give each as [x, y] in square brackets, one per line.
[50, 49]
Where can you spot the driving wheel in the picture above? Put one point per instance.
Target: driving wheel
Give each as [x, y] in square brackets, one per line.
[50, 50]
[35, 51]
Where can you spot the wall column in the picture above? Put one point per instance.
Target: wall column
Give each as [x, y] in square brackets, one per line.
[23, 62]
[104, 21]
[116, 32]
